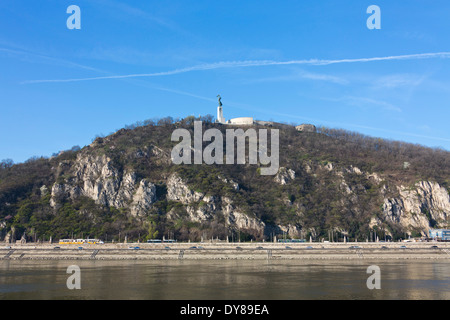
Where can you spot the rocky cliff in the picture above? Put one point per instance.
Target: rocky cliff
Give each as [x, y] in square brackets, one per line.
[421, 207]
[414, 209]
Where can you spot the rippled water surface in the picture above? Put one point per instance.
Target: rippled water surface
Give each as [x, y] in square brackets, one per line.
[224, 280]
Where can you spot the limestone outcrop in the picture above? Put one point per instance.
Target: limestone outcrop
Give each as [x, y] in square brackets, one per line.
[284, 175]
[96, 177]
[177, 190]
[144, 198]
[424, 206]
[306, 128]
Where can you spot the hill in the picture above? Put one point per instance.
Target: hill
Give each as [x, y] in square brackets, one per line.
[331, 184]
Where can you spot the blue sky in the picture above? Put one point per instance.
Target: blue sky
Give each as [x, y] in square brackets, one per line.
[288, 61]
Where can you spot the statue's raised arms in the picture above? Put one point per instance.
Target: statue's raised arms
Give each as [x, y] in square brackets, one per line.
[220, 100]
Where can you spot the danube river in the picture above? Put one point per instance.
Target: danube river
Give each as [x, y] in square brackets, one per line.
[225, 280]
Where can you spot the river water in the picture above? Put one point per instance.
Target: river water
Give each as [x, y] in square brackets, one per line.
[225, 280]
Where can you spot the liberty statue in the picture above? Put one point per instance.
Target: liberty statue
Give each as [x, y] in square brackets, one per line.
[220, 118]
[220, 100]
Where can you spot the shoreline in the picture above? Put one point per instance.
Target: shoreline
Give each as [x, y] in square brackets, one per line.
[229, 251]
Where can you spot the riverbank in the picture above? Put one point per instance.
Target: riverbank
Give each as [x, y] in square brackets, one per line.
[229, 251]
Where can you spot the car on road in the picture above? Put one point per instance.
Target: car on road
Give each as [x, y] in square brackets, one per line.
[167, 248]
[193, 247]
[434, 247]
[57, 248]
[259, 248]
[309, 248]
[403, 247]
[289, 248]
[238, 248]
[354, 247]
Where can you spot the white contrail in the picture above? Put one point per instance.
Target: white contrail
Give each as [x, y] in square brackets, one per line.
[254, 63]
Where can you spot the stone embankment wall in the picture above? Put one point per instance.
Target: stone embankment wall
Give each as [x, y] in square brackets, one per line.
[236, 251]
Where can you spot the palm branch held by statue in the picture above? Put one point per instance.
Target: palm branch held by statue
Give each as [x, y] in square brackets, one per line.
[220, 100]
